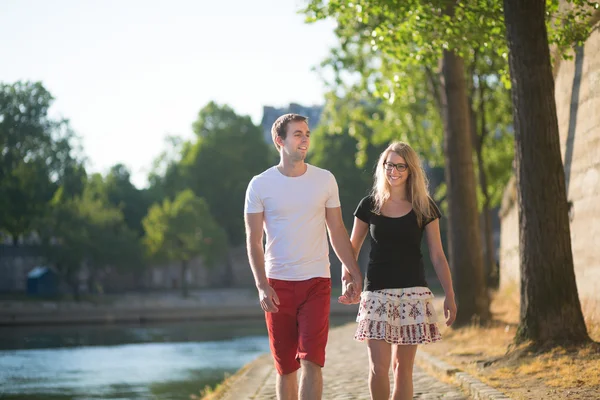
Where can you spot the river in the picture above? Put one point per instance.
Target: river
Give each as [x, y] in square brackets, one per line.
[158, 361]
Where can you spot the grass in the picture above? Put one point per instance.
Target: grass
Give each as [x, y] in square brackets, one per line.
[489, 353]
[214, 392]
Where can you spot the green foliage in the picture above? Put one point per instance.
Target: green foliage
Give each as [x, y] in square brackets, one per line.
[121, 193]
[492, 112]
[182, 229]
[343, 145]
[26, 192]
[36, 157]
[568, 23]
[415, 32]
[164, 177]
[86, 231]
[229, 150]
[391, 50]
[498, 165]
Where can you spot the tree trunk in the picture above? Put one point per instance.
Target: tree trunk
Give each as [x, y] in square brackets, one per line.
[485, 218]
[184, 285]
[550, 308]
[463, 218]
[489, 259]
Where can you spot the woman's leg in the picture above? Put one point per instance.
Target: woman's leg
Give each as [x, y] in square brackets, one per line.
[380, 355]
[404, 359]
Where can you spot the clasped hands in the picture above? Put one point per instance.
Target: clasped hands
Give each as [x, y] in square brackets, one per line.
[351, 290]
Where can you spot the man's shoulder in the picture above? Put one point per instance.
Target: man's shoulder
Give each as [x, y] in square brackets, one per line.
[264, 176]
[320, 172]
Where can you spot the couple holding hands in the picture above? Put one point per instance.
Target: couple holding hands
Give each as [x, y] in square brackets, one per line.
[295, 204]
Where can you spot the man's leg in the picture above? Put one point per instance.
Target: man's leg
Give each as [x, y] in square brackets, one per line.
[287, 386]
[313, 330]
[283, 340]
[311, 381]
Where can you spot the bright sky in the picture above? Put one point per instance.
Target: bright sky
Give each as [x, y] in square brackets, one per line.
[129, 72]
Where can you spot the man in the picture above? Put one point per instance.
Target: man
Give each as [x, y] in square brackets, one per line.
[297, 203]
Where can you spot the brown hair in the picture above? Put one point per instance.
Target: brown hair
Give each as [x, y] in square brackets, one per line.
[280, 126]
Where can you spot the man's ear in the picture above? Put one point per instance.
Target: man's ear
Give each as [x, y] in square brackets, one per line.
[279, 140]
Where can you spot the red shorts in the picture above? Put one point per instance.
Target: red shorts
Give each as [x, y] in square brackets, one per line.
[300, 328]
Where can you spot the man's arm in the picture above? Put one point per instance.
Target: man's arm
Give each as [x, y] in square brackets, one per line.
[256, 256]
[343, 248]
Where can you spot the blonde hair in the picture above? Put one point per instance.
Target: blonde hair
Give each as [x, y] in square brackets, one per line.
[417, 182]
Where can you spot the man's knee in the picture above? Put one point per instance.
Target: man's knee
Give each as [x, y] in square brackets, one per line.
[307, 364]
[290, 376]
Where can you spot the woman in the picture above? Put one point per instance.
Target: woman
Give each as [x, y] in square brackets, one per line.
[396, 312]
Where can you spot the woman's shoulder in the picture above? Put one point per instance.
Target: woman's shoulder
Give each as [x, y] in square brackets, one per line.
[364, 210]
[367, 202]
[434, 212]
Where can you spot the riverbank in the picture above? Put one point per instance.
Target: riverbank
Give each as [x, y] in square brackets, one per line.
[213, 304]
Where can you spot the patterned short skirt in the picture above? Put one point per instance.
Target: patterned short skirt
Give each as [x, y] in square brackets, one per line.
[398, 316]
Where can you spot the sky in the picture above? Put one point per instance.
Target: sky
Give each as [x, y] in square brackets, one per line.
[129, 73]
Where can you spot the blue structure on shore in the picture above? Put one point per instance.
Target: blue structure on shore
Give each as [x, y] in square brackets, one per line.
[42, 281]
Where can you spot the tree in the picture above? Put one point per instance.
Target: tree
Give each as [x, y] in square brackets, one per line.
[491, 121]
[165, 177]
[122, 193]
[398, 31]
[463, 218]
[181, 230]
[337, 146]
[85, 231]
[36, 156]
[25, 191]
[550, 308]
[228, 152]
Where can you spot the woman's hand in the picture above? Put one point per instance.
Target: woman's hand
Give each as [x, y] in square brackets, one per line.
[350, 290]
[449, 310]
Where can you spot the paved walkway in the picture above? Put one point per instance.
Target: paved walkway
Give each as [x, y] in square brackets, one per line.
[344, 375]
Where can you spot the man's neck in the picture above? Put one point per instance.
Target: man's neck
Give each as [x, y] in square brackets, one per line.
[291, 168]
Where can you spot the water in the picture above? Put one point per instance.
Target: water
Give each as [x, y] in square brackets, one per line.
[124, 362]
[160, 361]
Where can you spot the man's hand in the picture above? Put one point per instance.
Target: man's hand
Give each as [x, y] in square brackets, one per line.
[449, 310]
[350, 291]
[268, 299]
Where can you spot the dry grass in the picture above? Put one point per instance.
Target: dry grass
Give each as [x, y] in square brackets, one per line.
[215, 393]
[591, 313]
[490, 354]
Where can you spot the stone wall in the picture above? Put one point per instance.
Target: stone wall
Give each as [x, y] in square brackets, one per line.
[577, 87]
[17, 262]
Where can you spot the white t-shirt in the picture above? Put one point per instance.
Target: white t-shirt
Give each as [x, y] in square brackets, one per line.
[294, 211]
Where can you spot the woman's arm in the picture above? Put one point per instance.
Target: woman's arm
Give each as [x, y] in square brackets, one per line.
[438, 258]
[359, 233]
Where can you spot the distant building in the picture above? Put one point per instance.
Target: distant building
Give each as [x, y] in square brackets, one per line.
[270, 114]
